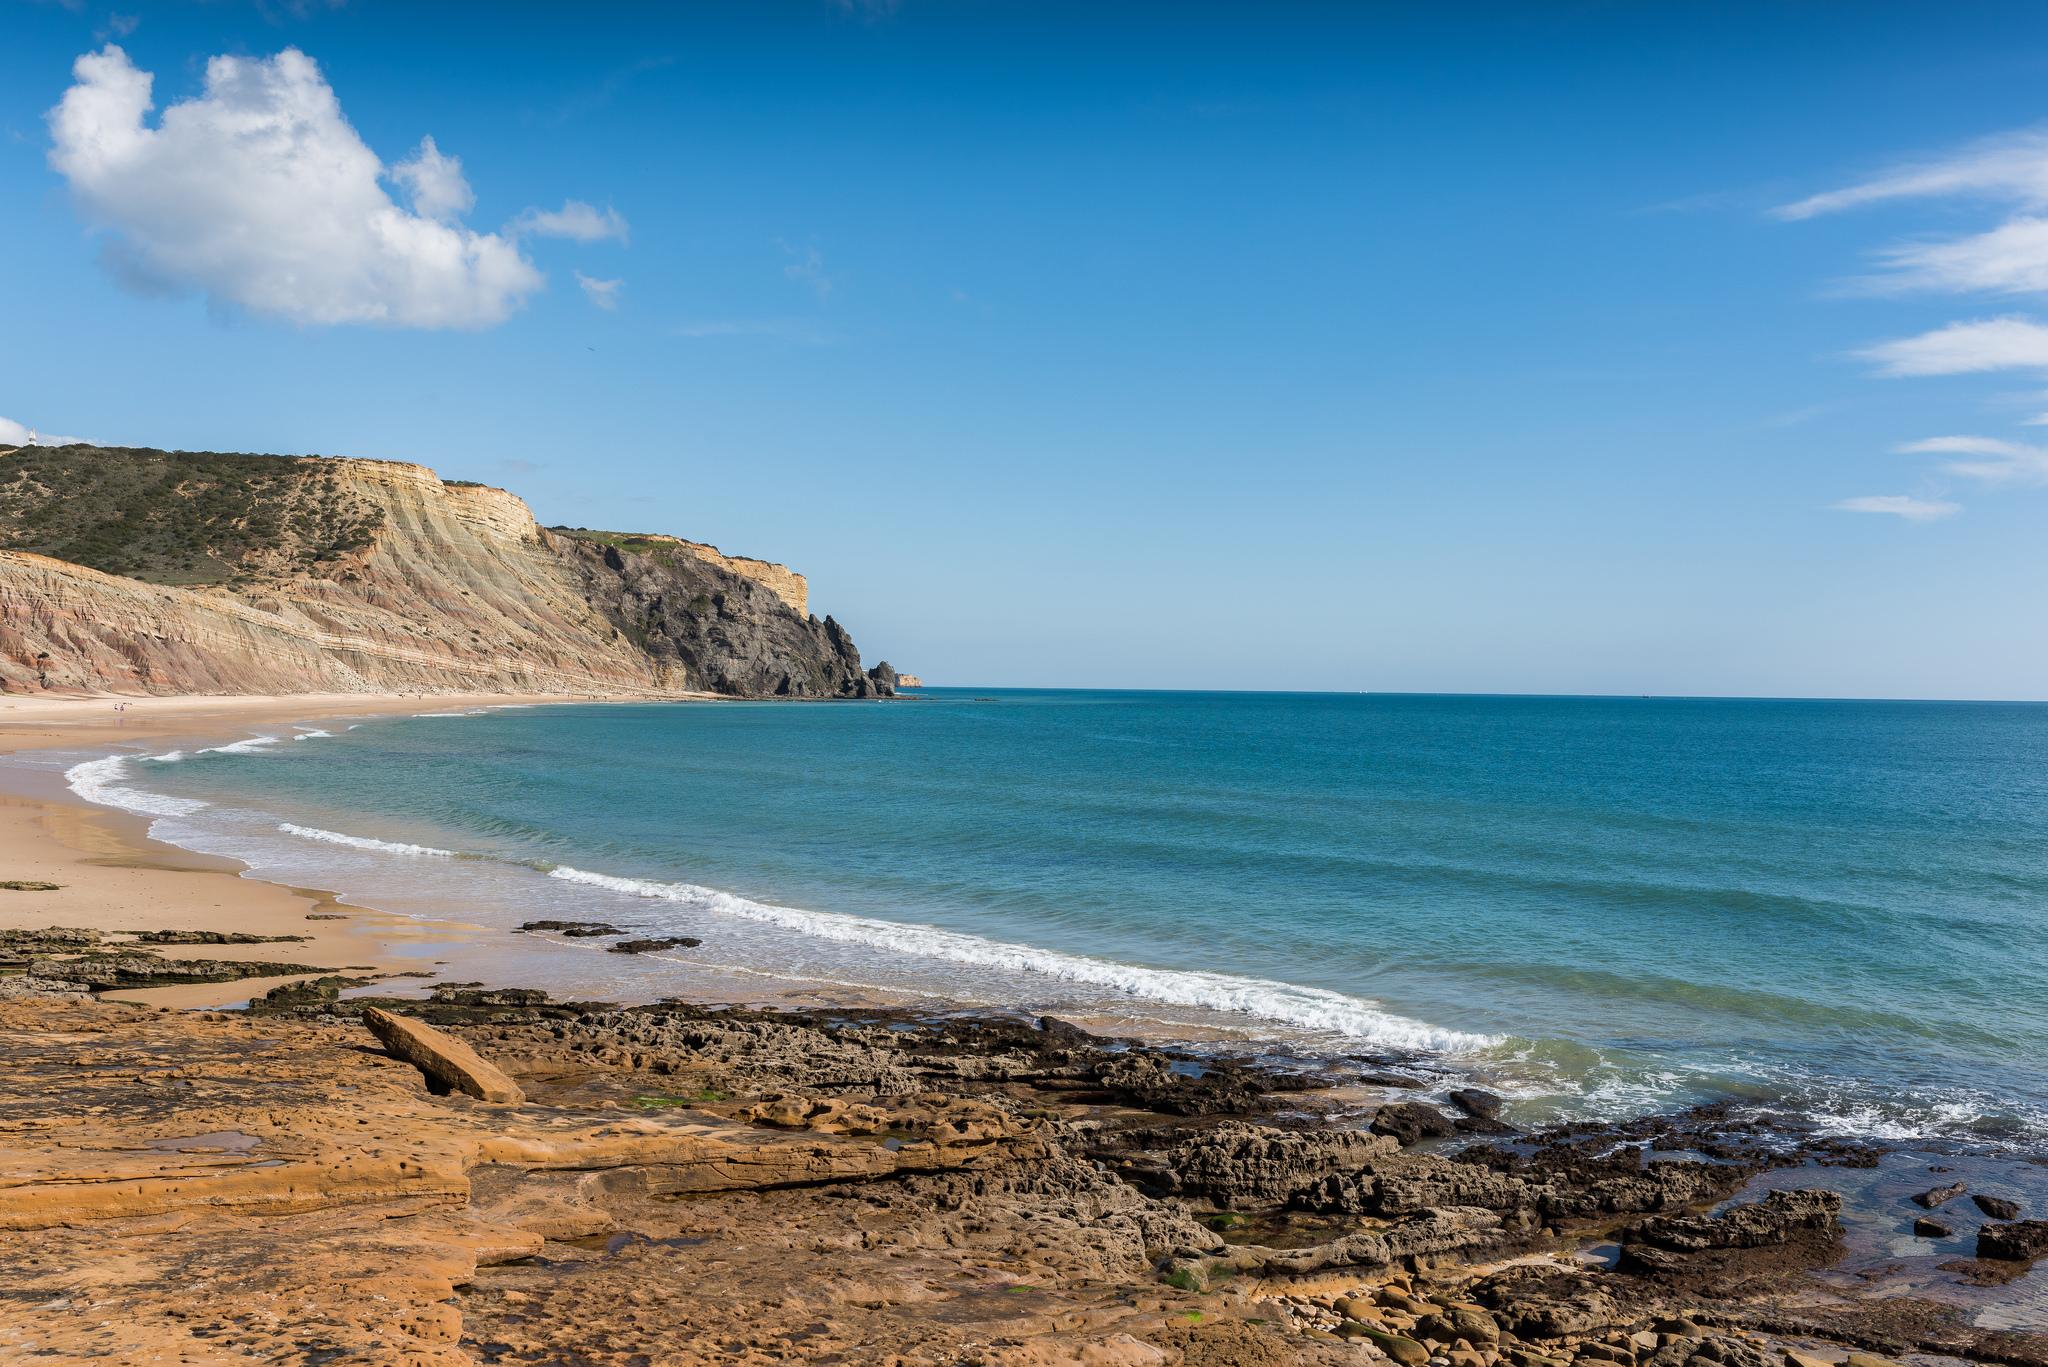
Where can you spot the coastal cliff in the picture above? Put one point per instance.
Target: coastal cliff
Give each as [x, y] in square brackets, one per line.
[129, 570]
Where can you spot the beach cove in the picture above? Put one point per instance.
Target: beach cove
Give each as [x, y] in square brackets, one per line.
[1223, 1067]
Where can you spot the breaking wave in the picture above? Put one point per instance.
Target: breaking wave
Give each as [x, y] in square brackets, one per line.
[241, 747]
[362, 842]
[1308, 1008]
[105, 781]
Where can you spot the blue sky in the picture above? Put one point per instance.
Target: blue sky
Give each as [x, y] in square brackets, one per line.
[1590, 348]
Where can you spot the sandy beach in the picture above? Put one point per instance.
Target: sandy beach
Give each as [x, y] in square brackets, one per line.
[112, 877]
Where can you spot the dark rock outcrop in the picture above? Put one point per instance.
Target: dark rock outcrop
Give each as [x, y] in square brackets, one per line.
[1411, 1122]
[102, 971]
[1477, 1104]
[1940, 1196]
[1997, 1207]
[2021, 1241]
[655, 945]
[719, 631]
[1776, 1219]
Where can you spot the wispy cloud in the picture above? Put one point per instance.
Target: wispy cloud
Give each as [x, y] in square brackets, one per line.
[603, 293]
[873, 11]
[1899, 505]
[1992, 459]
[1799, 417]
[2008, 258]
[807, 267]
[2010, 166]
[2008, 343]
[605, 91]
[784, 329]
[2011, 258]
[576, 221]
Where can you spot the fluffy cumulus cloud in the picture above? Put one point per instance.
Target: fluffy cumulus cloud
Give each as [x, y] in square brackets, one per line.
[435, 183]
[13, 433]
[575, 220]
[260, 194]
[1900, 506]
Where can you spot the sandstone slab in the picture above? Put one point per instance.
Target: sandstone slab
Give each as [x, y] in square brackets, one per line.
[442, 1057]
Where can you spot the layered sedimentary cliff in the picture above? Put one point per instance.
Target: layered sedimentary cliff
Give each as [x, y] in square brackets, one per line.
[167, 572]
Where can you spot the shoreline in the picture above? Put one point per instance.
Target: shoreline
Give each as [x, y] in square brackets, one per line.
[1230, 1180]
[119, 879]
[114, 877]
[89, 838]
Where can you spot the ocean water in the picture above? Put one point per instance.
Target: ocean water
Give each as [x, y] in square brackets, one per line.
[1835, 909]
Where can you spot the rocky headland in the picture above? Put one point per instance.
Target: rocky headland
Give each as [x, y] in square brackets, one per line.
[127, 570]
[490, 1176]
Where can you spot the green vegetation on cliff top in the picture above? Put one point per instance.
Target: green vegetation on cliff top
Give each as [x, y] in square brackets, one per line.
[179, 517]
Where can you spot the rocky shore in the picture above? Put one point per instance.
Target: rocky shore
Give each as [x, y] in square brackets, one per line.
[488, 1176]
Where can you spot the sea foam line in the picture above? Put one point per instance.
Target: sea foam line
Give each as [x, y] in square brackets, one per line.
[362, 842]
[1310, 1008]
[240, 747]
[104, 781]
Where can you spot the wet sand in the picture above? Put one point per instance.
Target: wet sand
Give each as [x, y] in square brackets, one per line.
[113, 877]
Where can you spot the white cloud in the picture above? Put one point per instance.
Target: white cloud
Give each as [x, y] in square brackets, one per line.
[603, 293]
[2007, 343]
[260, 194]
[784, 329]
[575, 220]
[808, 268]
[436, 184]
[2012, 166]
[13, 433]
[2011, 258]
[1997, 461]
[1899, 505]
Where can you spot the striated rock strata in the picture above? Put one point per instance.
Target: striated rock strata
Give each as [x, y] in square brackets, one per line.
[138, 571]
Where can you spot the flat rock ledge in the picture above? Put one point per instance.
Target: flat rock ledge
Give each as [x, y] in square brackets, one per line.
[685, 1185]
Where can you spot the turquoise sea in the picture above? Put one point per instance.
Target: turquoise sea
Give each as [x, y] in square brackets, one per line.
[1833, 909]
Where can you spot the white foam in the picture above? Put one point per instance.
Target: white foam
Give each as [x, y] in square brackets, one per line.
[447, 714]
[311, 733]
[1309, 1008]
[104, 781]
[241, 747]
[362, 842]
